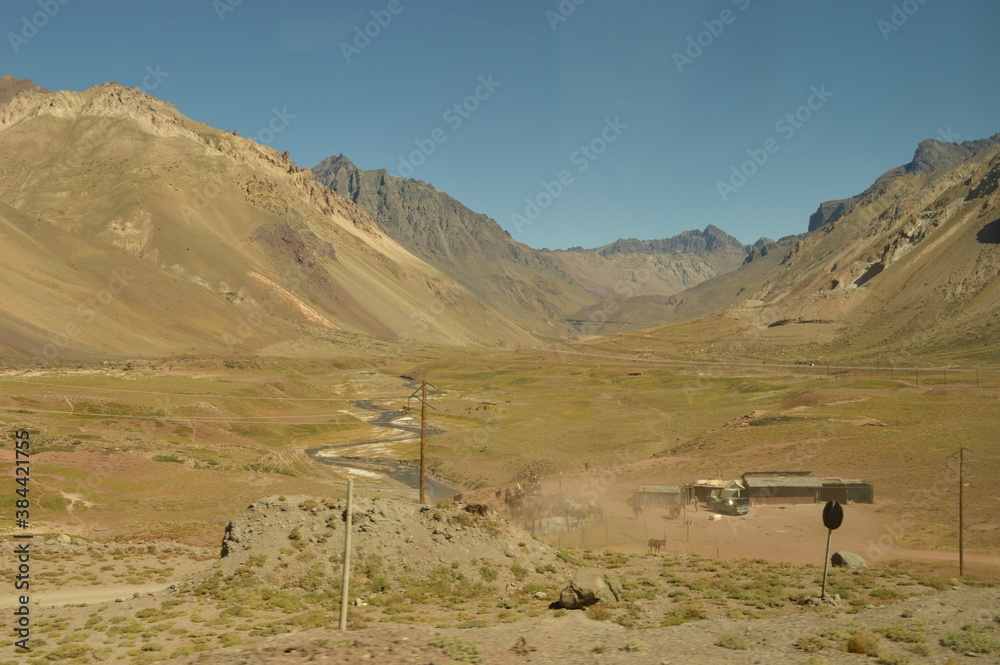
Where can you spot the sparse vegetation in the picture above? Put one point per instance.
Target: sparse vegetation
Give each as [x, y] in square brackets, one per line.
[460, 649]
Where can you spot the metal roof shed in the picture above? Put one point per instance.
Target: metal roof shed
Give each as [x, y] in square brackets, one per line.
[783, 489]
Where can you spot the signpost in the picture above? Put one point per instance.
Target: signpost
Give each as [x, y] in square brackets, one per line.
[346, 579]
[833, 517]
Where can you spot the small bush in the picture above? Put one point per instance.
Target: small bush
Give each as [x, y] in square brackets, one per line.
[900, 633]
[731, 641]
[863, 643]
[459, 648]
[970, 639]
[893, 659]
[598, 612]
[635, 645]
[812, 643]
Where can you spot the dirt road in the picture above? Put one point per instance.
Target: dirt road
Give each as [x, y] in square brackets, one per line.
[90, 595]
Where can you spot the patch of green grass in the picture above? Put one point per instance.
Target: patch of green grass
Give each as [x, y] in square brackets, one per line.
[972, 638]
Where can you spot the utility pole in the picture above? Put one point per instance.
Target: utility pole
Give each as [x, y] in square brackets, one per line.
[423, 434]
[346, 579]
[961, 508]
[423, 438]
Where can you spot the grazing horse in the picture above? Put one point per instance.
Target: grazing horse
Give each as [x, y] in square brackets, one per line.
[593, 510]
[654, 545]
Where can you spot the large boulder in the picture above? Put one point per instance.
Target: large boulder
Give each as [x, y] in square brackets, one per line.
[848, 560]
[591, 585]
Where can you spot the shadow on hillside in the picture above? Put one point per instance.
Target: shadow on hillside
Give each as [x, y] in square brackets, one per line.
[990, 234]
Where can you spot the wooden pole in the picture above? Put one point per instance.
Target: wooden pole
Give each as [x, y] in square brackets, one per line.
[961, 507]
[423, 438]
[826, 561]
[961, 515]
[346, 579]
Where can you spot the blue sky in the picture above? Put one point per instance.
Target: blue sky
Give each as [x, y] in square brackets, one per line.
[662, 119]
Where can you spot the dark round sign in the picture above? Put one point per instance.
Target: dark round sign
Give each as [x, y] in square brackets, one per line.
[833, 515]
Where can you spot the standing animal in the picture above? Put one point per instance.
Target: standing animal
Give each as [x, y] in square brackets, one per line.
[654, 545]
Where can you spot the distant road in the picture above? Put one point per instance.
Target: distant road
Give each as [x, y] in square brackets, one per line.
[91, 595]
[816, 366]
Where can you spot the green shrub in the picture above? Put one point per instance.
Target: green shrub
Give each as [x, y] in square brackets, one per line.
[812, 643]
[731, 641]
[864, 643]
[971, 639]
[598, 612]
[900, 633]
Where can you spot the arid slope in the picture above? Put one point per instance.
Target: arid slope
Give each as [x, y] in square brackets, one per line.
[132, 229]
[470, 248]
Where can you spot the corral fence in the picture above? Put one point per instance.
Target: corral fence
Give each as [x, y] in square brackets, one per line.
[628, 535]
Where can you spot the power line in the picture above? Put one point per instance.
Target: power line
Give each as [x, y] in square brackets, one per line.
[210, 396]
[219, 419]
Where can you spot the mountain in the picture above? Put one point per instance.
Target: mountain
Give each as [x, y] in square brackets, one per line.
[469, 247]
[10, 86]
[910, 271]
[127, 228]
[652, 267]
[929, 156]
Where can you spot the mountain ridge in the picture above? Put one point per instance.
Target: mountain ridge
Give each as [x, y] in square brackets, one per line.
[930, 155]
[232, 247]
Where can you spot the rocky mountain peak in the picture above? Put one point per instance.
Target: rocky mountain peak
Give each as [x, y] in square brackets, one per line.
[930, 155]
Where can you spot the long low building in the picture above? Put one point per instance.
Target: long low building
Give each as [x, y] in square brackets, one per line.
[799, 487]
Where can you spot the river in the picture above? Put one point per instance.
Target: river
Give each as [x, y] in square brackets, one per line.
[407, 474]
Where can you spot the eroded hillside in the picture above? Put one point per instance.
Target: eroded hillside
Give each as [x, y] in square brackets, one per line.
[132, 229]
